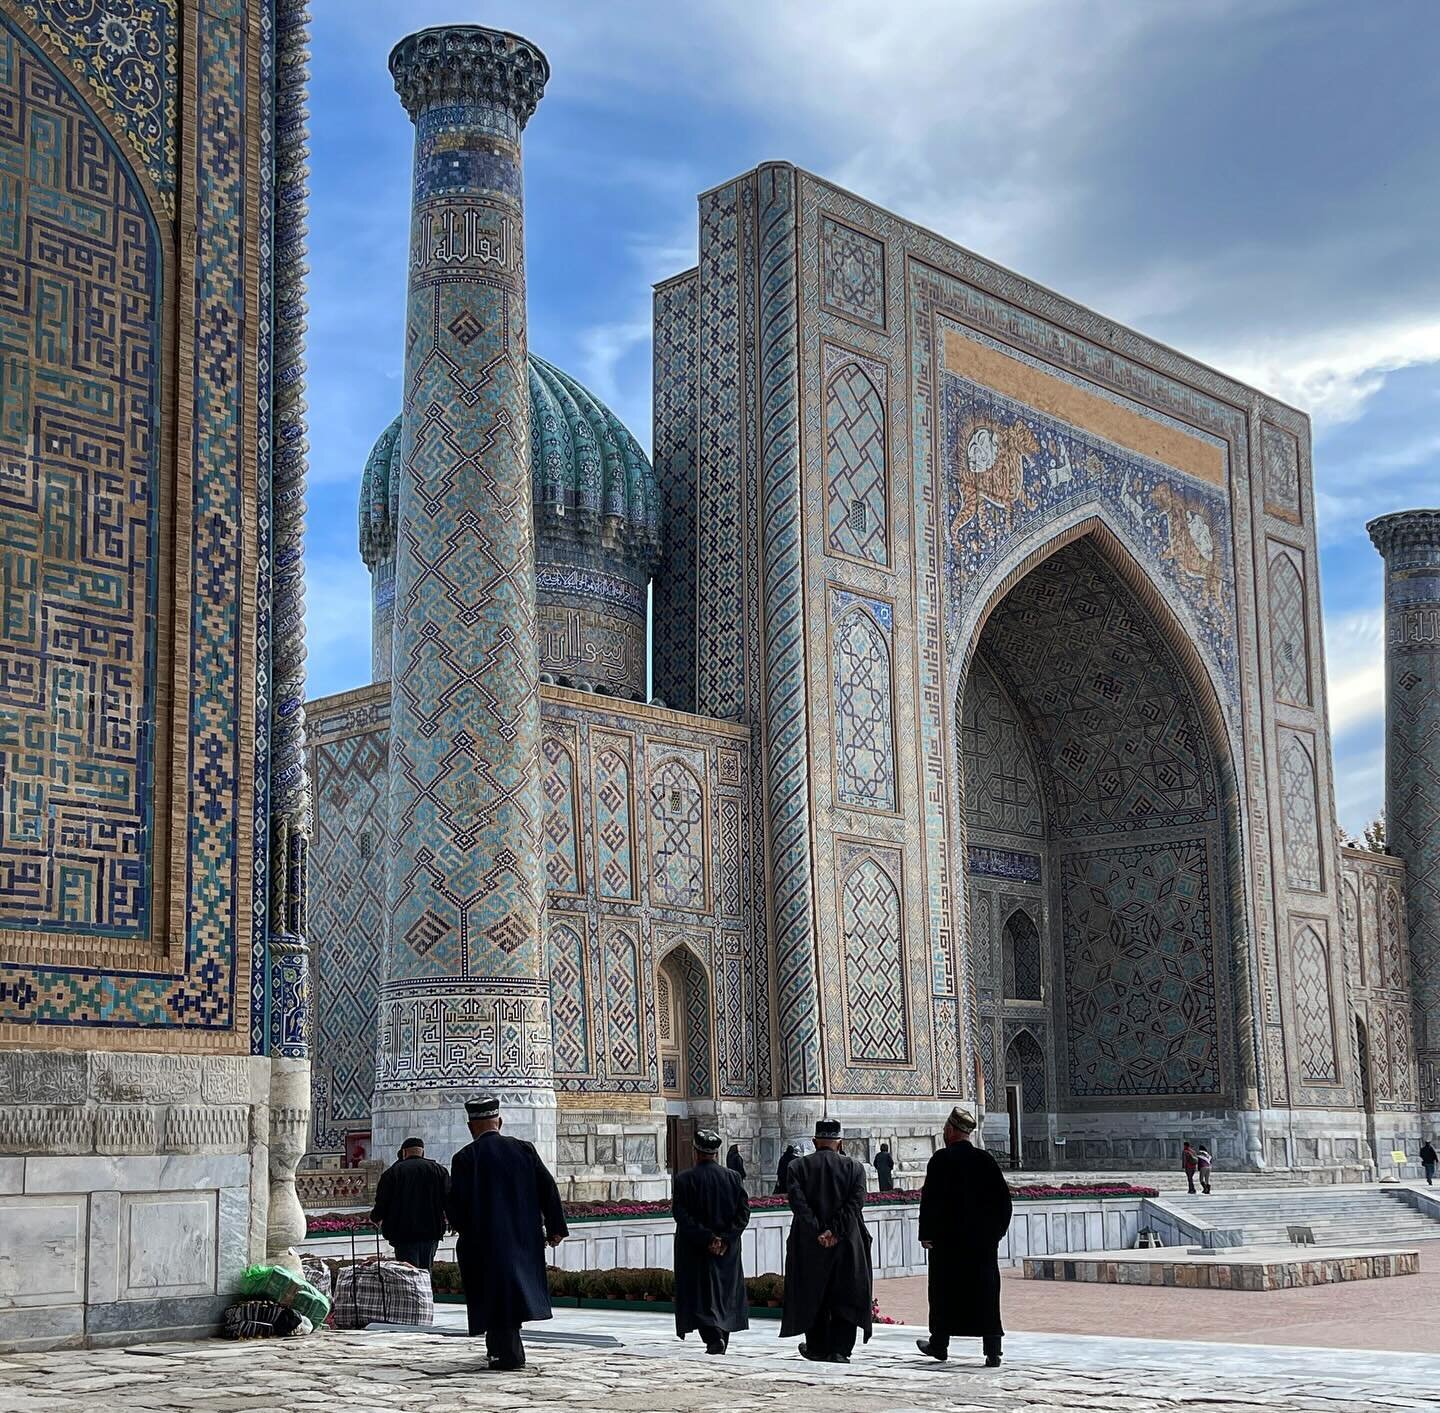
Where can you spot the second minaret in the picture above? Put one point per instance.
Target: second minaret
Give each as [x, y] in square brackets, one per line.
[465, 995]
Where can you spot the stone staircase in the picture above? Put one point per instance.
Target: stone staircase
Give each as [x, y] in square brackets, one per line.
[1352, 1216]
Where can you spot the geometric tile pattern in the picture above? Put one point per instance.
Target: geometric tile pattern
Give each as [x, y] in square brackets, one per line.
[562, 843]
[852, 273]
[1280, 467]
[1002, 788]
[1116, 723]
[857, 497]
[80, 445]
[127, 53]
[1314, 1013]
[877, 1023]
[624, 1017]
[699, 1072]
[677, 836]
[614, 825]
[1020, 953]
[1410, 543]
[770, 259]
[676, 340]
[864, 731]
[1289, 658]
[1140, 976]
[569, 1003]
[347, 925]
[212, 775]
[467, 827]
[1297, 808]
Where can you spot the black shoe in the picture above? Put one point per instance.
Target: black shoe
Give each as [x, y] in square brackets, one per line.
[926, 1347]
[505, 1366]
[839, 1358]
[992, 1361]
[818, 1358]
[714, 1349]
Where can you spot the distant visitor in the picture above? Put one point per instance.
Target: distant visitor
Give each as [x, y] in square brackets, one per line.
[410, 1204]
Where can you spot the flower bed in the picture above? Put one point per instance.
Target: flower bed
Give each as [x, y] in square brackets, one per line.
[343, 1223]
[627, 1287]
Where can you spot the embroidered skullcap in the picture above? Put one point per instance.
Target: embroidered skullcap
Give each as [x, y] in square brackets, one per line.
[707, 1141]
[960, 1121]
[487, 1106]
[827, 1128]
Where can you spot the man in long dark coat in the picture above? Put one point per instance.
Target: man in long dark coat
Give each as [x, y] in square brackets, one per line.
[964, 1213]
[711, 1210]
[505, 1205]
[828, 1278]
[782, 1172]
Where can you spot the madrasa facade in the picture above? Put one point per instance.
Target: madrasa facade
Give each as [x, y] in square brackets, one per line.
[984, 757]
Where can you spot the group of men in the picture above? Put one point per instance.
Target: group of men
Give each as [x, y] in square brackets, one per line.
[503, 1203]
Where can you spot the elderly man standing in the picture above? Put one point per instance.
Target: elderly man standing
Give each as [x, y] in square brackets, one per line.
[505, 1205]
[410, 1205]
[828, 1278]
[711, 1210]
[964, 1212]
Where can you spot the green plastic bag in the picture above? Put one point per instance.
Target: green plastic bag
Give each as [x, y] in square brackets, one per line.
[287, 1289]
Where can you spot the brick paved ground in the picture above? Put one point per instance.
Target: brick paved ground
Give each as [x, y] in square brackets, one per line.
[1401, 1313]
[651, 1371]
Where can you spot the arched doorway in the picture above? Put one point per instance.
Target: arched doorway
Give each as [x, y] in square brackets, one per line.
[1367, 1091]
[1099, 809]
[685, 1049]
[1025, 1102]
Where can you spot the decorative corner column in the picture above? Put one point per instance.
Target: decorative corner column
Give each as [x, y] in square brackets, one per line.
[465, 996]
[288, 959]
[1409, 542]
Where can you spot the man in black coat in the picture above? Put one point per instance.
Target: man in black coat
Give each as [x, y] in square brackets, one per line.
[783, 1171]
[735, 1162]
[828, 1277]
[964, 1213]
[711, 1210]
[505, 1205]
[410, 1204]
[885, 1169]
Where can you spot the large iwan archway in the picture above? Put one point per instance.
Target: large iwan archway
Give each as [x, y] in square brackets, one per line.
[1098, 808]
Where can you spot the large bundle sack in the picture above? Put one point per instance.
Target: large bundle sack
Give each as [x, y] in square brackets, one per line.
[260, 1319]
[387, 1291]
[317, 1274]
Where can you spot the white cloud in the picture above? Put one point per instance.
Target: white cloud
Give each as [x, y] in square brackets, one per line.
[1355, 670]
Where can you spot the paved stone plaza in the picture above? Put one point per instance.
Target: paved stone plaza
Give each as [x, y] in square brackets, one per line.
[641, 1367]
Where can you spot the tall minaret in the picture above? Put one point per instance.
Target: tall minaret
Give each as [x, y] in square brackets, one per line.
[1410, 543]
[464, 1004]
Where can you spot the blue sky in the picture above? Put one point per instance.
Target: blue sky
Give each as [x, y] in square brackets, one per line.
[1257, 183]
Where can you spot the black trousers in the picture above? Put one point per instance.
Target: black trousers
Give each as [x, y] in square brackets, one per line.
[713, 1336]
[989, 1344]
[418, 1253]
[830, 1336]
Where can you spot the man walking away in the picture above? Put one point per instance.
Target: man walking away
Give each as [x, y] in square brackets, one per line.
[782, 1172]
[885, 1169]
[410, 1205]
[1189, 1162]
[964, 1213]
[735, 1162]
[1427, 1161]
[828, 1277]
[505, 1205]
[711, 1210]
[1202, 1166]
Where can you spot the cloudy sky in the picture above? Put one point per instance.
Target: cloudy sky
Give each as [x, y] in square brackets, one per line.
[1256, 182]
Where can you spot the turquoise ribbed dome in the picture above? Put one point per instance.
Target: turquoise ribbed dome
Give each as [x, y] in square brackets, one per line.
[593, 485]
